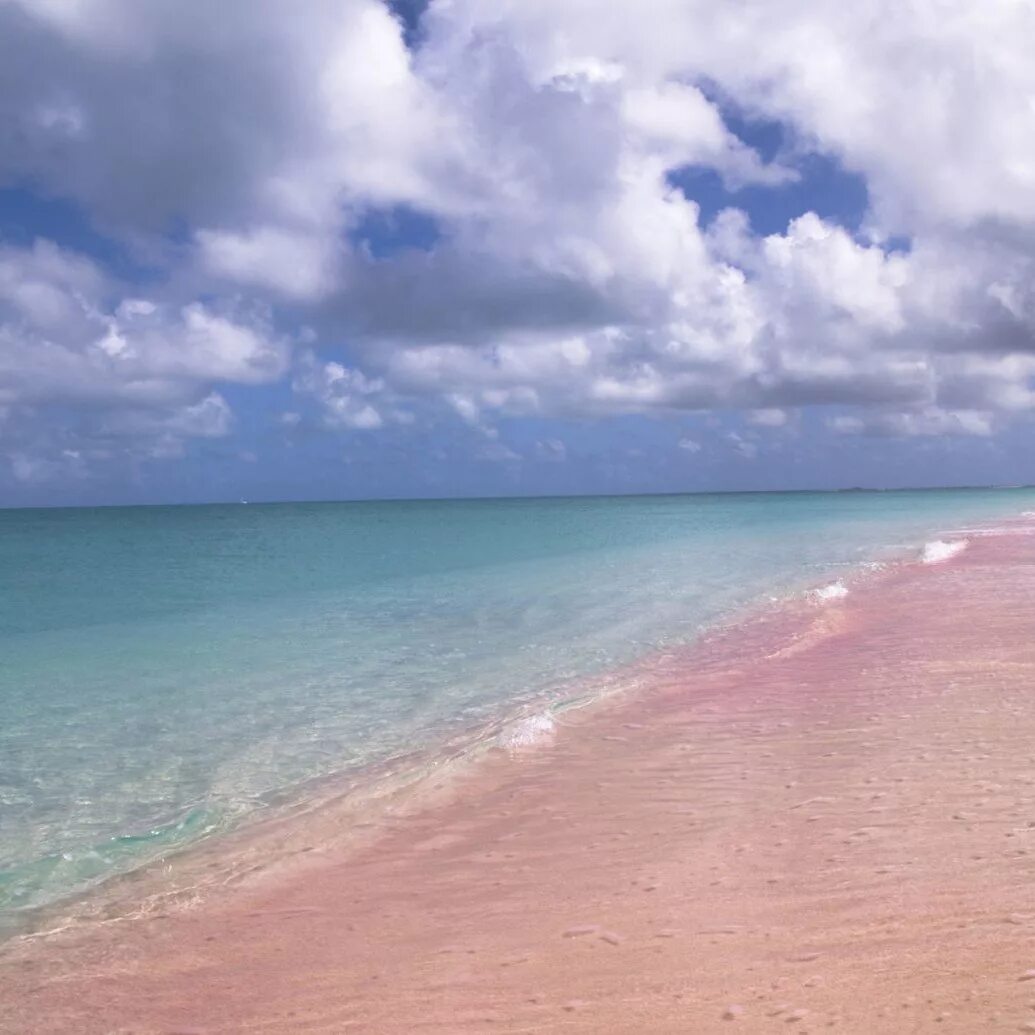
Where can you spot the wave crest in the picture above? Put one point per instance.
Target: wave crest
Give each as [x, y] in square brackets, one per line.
[834, 591]
[939, 550]
[527, 732]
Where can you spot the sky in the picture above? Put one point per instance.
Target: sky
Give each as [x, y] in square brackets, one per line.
[354, 249]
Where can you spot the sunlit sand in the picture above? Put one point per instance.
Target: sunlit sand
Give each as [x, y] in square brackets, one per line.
[823, 818]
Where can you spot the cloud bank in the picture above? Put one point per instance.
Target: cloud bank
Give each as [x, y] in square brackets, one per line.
[479, 217]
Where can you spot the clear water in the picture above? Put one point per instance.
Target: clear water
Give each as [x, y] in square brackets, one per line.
[167, 671]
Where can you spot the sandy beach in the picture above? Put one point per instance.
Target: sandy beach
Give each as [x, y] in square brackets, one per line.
[821, 819]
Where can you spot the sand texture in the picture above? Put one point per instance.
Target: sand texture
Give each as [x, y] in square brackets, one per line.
[823, 819]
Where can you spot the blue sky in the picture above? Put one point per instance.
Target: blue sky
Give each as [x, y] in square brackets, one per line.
[474, 249]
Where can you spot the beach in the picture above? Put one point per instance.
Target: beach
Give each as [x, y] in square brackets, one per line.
[174, 674]
[820, 818]
[517, 517]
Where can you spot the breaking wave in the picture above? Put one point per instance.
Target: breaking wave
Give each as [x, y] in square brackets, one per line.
[834, 591]
[939, 550]
[527, 732]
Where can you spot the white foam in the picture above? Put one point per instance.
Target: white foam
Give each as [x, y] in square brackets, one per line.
[939, 550]
[994, 530]
[527, 732]
[835, 591]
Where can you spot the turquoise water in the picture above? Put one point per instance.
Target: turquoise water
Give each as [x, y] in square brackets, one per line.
[170, 670]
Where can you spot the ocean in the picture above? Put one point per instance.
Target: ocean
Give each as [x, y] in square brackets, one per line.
[171, 672]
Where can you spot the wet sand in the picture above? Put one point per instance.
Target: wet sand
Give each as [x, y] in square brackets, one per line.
[821, 820]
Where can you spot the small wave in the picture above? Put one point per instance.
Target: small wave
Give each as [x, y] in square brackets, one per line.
[992, 531]
[527, 732]
[835, 591]
[939, 550]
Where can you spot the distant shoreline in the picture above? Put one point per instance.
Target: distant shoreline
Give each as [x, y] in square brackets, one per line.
[531, 497]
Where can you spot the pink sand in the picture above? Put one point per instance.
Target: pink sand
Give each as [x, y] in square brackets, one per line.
[823, 819]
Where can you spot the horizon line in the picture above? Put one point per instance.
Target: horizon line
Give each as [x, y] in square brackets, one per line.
[530, 497]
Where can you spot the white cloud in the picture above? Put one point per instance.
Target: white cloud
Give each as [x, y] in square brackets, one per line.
[768, 418]
[742, 446]
[928, 421]
[137, 374]
[62, 340]
[347, 397]
[569, 277]
[298, 265]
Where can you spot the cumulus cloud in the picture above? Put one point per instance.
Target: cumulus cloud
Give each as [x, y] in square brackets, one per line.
[665, 313]
[742, 446]
[211, 114]
[769, 418]
[931, 420]
[239, 149]
[136, 374]
[347, 397]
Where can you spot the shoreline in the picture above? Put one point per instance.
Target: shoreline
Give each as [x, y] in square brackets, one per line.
[628, 873]
[358, 799]
[182, 868]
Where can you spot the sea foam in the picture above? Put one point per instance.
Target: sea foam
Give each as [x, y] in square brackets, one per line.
[835, 591]
[939, 550]
[527, 732]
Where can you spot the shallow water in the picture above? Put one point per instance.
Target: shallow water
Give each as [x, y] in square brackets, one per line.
[171, 670]
[808, 796]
